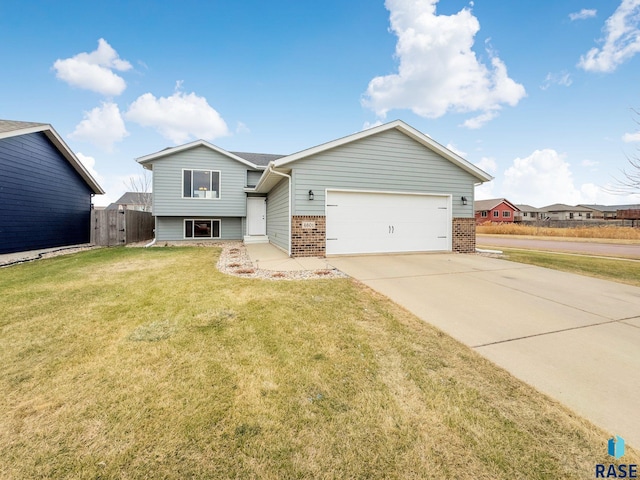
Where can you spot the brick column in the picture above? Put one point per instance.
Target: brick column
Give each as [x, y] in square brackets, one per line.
[308, 236]
[464, 235]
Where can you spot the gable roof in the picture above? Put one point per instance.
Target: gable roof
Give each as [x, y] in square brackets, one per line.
[271, 177]
[490, 204]
[253, 160]
[14, 128]
[401, 127]
[561, 207]
[523, 207]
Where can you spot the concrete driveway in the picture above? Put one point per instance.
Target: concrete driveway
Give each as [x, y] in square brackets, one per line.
[574, 338]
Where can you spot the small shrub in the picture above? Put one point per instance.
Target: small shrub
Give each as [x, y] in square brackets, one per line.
[322, 272]
[235, 265]
[278, 275]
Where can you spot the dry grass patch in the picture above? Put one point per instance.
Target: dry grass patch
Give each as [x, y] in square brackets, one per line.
[178, 371]
[583, 232]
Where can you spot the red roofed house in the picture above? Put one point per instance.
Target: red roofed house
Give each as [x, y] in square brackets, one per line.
[498, 210]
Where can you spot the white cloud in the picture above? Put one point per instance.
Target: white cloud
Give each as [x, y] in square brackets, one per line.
[480, 120]
[179, 118]
[542, 178]
[241, 127]
[621, 39]
[102, 126]
[583, 14]
[589, 163]
[545, 177]
[368, 125]
[94, 71]
[456, 150]
[438, 71]
[563, 79]
[487, 164]
[90, 164]
[631, 137]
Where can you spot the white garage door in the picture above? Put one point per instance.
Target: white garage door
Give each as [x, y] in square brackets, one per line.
[376, 222]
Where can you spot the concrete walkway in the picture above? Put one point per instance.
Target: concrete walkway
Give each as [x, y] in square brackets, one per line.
[268, 257]
[572, 337]
[7, 259]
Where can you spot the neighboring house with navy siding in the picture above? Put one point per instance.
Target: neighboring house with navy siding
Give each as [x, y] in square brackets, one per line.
[45, 191]
[390, 188]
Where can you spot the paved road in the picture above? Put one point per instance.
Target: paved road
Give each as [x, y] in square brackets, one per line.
[606, 249]
[572, 337]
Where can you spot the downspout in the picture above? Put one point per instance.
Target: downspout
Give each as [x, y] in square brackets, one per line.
[153, 242]
[271, 170]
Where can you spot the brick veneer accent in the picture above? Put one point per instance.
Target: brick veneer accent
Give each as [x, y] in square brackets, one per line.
[311, 242]
[308, 242]
[464, 235]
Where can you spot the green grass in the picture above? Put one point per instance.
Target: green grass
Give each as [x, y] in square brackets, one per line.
[149, 363]
[617, 270]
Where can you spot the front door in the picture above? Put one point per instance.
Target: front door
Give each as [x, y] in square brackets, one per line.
[256, 216]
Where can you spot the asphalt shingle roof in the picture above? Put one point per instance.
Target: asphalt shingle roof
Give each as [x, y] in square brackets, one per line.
[11, 125]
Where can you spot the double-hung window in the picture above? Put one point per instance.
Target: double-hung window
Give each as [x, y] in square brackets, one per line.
[506, 213]
[200, 184]
[198, 228]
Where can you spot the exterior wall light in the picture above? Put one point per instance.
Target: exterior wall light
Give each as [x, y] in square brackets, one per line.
[310, 194]
[464, 200]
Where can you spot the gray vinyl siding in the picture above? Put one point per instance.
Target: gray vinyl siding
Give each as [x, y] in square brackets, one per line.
[172, 228]
[278, 215]
[252, 177]
[167, 185]
[389, 161]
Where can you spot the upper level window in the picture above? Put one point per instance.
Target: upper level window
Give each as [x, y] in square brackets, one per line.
[200, 184]
[506, 213]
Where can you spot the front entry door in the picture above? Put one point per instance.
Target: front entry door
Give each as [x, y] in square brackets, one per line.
[256, 216]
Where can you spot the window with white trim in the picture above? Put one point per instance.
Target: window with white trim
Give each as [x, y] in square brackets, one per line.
[201, 228]
[496, 213]
[506, 213]
[484, 214]
[200, 184]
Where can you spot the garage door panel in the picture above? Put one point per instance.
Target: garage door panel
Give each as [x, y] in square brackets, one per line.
[376, 222]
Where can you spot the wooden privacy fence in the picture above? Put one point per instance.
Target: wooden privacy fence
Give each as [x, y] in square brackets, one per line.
[120, 227]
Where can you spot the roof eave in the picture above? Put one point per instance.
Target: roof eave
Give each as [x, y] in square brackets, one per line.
[187, 146]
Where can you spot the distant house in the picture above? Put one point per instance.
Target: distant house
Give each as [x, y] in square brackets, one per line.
[132, 201]
[499, 210]
[608, 212]
[45, 191]
[560, 211]
[527, 213]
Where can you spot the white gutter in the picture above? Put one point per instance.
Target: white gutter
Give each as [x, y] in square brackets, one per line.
[271, 170]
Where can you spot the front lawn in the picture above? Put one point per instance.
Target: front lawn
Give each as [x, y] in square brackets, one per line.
[149, 363]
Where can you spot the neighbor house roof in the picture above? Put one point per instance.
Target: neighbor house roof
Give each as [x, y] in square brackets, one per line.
[13, 128]
[610, 208]
[528, 208]
[490, 204]
[561, 207]
[270, 177]
[260, 159]
[253, 160]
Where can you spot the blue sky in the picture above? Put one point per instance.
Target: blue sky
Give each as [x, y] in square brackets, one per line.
[538, 94]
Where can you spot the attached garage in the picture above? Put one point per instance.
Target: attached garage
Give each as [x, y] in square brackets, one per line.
[360, 222]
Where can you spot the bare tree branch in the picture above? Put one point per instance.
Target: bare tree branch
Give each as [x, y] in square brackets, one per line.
[140, 185]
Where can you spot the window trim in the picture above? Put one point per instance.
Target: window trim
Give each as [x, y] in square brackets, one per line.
[200, 170]
[496, 214]
[506, 214]
[484, 214]
[184, 228]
